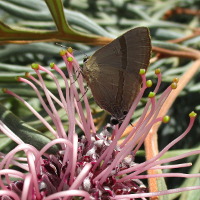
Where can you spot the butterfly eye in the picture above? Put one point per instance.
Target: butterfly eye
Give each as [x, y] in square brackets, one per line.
[85, 59]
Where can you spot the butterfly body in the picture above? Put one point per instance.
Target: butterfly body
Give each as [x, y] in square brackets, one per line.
[112, 72]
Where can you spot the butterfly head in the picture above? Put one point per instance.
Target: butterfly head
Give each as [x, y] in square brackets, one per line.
[85, 59]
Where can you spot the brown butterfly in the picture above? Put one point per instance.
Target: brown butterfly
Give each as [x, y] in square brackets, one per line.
[112, 72]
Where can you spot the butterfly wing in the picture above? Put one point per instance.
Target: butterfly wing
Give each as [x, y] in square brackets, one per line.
[112, 72]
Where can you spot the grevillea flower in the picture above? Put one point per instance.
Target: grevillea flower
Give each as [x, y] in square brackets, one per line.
[94, 165]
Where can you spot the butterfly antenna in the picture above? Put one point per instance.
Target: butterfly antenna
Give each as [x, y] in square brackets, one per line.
[60, 45]
[73, 49]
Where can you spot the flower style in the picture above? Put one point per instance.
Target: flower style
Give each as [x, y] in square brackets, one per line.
[93, 166]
